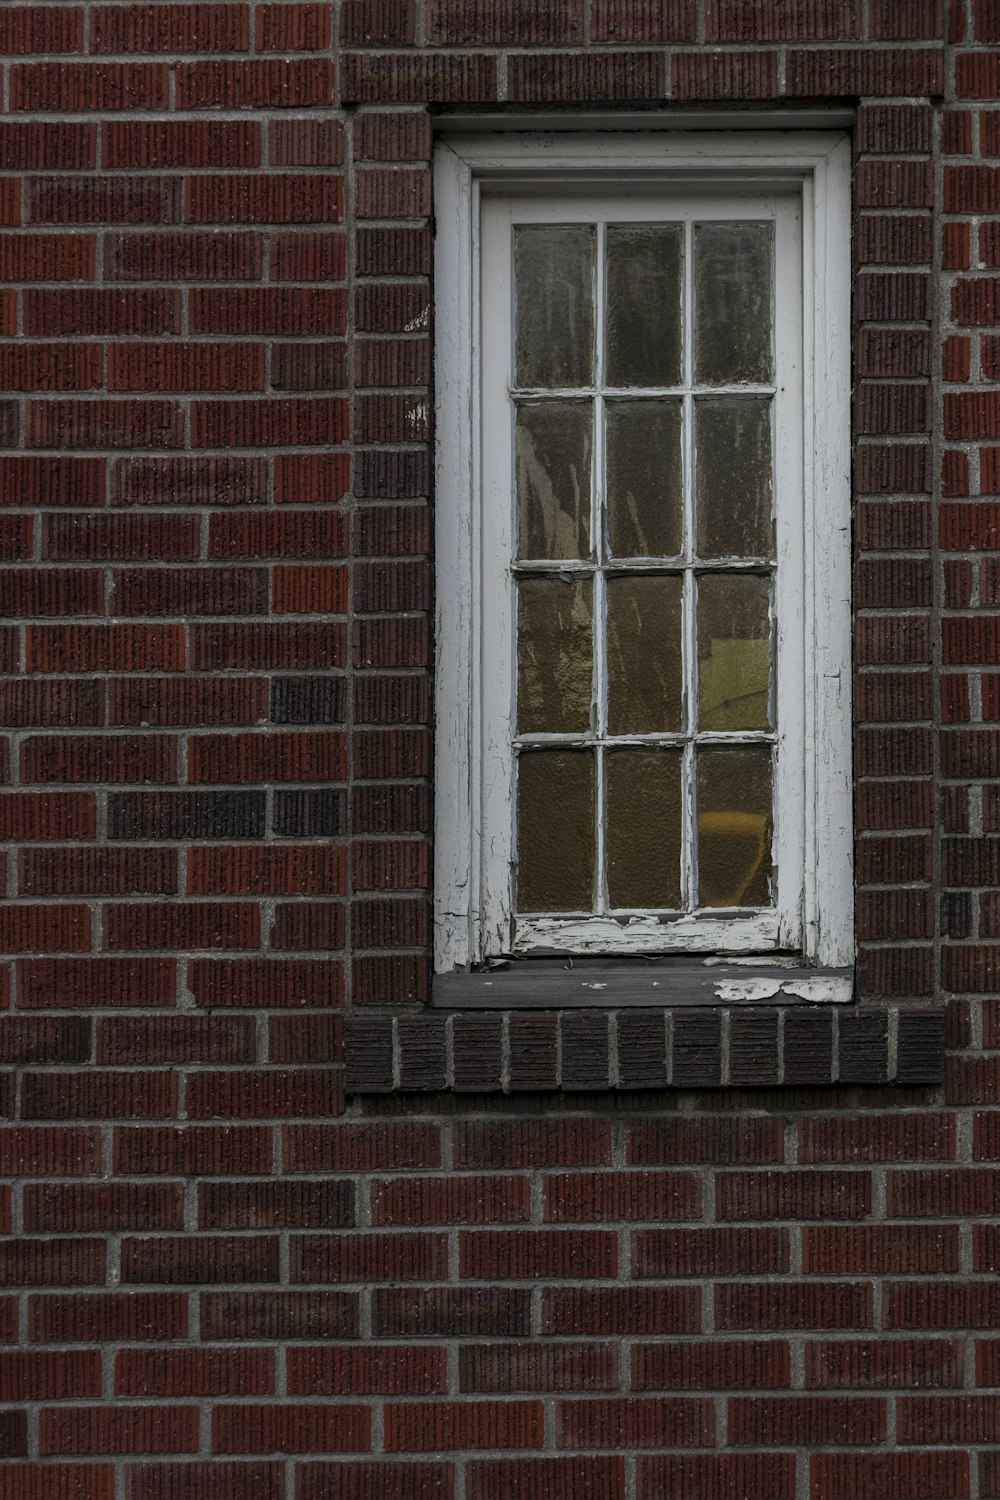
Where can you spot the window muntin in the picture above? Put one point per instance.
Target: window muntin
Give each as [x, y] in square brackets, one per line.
[639, 498]
[475, 645]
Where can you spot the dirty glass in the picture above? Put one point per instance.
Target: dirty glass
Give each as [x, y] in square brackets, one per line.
[644, 477]
[555, 830]
[554, 302]
[644, 828]
[734, 826]
[553, 442]
[554, 655]
[644, 304]
[733, 651]
[733, 299]
[732, 436]
[645, 693]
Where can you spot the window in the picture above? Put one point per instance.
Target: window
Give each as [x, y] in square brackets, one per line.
[643, 549]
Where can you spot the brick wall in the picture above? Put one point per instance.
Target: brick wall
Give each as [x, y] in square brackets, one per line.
[221, 1281]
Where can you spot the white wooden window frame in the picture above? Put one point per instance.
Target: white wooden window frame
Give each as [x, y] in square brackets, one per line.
[480, 174]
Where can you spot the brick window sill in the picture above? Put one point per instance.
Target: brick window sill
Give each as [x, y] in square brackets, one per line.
[639, 1047]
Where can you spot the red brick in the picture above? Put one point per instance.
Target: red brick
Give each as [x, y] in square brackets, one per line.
[107, 1317]
[50, 367]
[890, 1476]
[26, 28]
[28, 146]
[289, 870]
[96, 872]
[98, 1095]
[977, 75]
[797, 1195]
[644, 1422]
[182, 925]
[44, 929]
[181, 143]
[674, 1141]
[291, 1429]
[272, 647]
[305, 143]
[813, 1421]
[310, 756]
[89, 312]
[190, 1481]
[277, 83]
[292, 28]
[622, 1310]
[379, 1370]
[104, 424]
[268, 424]
[907, 71]
[363, 1146]
[42, 1376]
[955, 247]
[589, 1196]
[439, 78]
[882, 1364]
[793, 20]
[702, 1476]
[169, 28]
[369, 1258]
[596, 76]
[724, 75]
[70, 87]
[179, 256]
[107, 982]
[793, 1305]
[175, 1038]
[186, 367]
[428, 1200]
[30, 1481]
[277, 1205]
[498, 1255]
[646, 21]
[188, 701]
[118, 1429]
[177, 1260]
[28, 1151]
[537, 1366]
[264, 199]
[51, 1262]
[282, 311]
[558, 1478]
[194, 1372]
[192, 1150]
[279, 1315]
[707, 1365]
[267, 983]
[879, 1249]
[709, 1252]
[431, 1427]
[98, 758]
[269, 1093]
[923, 1137]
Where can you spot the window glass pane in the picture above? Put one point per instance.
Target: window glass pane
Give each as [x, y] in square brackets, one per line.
[734, 827]
[644, 828]
[555, 830]
[733, 476]
[644, 484]
[553, 441]
[644, 304]
[733, 651]
[554, 293]
[733, 300]
[554, 655]
[645, 693]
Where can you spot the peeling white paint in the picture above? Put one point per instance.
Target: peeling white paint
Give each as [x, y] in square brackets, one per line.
[747, 989]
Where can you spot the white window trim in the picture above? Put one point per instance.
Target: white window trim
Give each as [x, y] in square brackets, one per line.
[818, 165]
